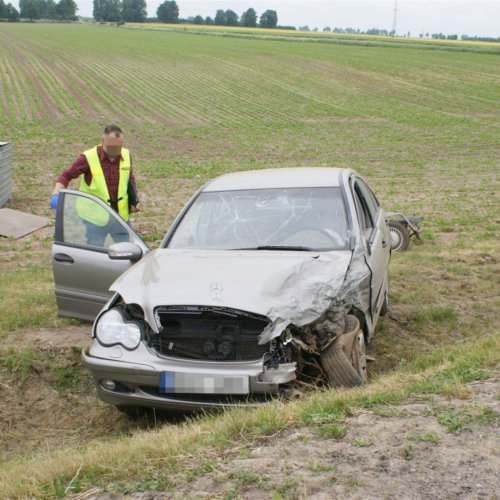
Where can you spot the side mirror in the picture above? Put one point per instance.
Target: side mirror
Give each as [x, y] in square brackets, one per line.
[125, 251]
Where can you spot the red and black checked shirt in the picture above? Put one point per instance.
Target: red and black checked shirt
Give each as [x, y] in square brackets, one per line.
[111, 170]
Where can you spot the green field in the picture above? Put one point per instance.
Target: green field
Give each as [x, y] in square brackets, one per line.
[423, 127]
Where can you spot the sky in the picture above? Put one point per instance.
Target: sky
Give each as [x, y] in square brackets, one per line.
[471, 17]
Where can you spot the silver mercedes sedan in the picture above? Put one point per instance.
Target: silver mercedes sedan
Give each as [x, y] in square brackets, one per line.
[268, 281]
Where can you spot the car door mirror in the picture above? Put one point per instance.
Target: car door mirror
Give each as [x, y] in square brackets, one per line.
[125, 251]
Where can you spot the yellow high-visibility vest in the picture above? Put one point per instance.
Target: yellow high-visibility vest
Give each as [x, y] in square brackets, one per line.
[87, 209]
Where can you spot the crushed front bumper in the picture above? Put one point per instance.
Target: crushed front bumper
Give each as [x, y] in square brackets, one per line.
[143, 378]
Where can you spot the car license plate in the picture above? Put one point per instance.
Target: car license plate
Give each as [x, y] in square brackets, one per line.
[194, 383]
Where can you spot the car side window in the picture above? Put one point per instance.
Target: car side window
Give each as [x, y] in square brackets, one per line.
[370, 198]
[86, 223]
[364, 214]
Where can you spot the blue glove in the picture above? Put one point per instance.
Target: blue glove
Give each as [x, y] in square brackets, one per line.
[53, 201]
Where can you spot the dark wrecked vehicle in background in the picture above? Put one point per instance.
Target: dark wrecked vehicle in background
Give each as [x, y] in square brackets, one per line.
[267, 280]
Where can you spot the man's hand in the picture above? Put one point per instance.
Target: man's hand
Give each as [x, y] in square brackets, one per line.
[133, 208]
[53, 201]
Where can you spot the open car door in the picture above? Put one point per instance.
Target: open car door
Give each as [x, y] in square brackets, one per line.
[83, 271]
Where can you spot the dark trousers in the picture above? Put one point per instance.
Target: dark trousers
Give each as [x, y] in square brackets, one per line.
[96, 235]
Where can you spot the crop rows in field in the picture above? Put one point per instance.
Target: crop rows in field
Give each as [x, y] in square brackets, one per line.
[193, 79]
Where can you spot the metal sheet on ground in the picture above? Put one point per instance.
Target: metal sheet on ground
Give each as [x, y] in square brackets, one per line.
[16, 224]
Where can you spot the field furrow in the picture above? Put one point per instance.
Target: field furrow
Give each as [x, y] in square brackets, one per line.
[156, 95]
[291, 98]
[48, 90]
[233, 94]
[192, 96]
[21, 107]
[103, 84]
[24, 58]
[56, 87]
[5, 94]
[88, 99]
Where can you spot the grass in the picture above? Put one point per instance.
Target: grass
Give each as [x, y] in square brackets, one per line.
[63, 366]
[407, 452]
[163, 451]
[362, 442]
[428, 437]
[456, 419]
[330, 431]
[289, 35]
[421, 125]
[19, 362]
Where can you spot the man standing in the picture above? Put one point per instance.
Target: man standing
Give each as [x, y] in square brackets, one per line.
[106, 172]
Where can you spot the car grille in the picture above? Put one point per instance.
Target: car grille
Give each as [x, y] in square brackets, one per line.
[209, 333]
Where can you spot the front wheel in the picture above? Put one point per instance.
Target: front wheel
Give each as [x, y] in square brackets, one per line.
[344, 361]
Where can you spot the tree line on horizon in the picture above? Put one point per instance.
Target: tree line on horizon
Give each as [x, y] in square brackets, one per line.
[8, 12]
[63, 10]
[168, 12]
[120, 11]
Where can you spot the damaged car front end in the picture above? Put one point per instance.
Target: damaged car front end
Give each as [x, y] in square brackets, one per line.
[268, 282]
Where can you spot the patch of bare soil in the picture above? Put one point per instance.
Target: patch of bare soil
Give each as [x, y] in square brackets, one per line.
[409, 455]
[76, 336]
[53, 403]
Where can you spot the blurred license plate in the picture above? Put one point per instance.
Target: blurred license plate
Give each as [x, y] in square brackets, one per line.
[193, 383]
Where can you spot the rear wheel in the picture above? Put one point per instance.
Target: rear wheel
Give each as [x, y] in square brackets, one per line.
[344, 361]
[400, 239]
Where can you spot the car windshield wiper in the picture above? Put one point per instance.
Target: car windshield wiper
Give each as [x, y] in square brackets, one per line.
[280, 247]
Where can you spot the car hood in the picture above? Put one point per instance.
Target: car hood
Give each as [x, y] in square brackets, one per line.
[285, 286]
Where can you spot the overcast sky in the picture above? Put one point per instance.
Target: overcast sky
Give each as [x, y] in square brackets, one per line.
[472, 17]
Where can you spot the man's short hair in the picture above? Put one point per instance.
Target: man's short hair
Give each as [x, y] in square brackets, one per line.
[112, 128]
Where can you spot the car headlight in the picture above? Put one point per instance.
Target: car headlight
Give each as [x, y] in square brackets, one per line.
[113, 329]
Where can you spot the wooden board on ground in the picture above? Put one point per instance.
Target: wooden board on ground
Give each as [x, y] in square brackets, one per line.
[16, 224]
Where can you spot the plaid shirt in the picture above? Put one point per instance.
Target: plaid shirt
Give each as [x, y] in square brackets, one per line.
[111, 170]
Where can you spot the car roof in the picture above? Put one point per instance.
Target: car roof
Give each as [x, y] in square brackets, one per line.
[277, 178]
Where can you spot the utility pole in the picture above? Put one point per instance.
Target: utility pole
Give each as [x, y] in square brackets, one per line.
[395, 20]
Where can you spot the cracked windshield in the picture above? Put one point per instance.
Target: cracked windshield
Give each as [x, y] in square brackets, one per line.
[265, 219]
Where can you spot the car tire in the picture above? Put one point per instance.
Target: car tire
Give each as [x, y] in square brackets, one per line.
[344, 361]
[400, 239]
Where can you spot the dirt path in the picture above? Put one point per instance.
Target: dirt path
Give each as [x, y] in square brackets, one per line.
[405, 454]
